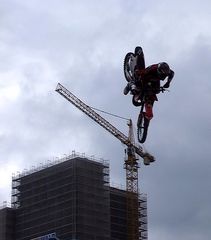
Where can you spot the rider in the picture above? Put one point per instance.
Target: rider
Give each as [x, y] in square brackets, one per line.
[149, 79]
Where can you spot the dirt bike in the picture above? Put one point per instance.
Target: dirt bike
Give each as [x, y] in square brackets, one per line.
[132, 62]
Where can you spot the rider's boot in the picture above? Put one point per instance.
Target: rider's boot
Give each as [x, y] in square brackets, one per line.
[149, 113]
[126, 89]
[130, 87]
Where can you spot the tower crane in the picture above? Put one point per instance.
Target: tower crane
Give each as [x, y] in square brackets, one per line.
[131, 161]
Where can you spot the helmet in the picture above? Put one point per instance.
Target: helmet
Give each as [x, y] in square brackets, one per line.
[163, 68]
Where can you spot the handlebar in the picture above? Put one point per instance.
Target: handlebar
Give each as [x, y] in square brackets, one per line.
[162, 89]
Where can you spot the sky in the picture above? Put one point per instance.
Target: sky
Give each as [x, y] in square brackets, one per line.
[82, 45]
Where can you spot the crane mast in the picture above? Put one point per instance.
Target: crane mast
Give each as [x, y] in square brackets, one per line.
[131, 167]
[131, 161]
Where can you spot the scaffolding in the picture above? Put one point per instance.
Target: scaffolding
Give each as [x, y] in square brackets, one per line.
[70, 198]
[119, 211]
[57, 160]
[143, 227]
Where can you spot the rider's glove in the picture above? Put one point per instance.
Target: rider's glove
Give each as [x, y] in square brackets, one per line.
[166, 85]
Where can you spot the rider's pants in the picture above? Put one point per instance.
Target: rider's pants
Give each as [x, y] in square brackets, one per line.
[148, 109]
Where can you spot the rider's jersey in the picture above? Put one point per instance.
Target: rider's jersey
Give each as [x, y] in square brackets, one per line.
[151, 74]
[150, 78]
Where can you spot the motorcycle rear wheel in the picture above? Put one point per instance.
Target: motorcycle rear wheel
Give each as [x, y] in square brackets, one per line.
[142, 127]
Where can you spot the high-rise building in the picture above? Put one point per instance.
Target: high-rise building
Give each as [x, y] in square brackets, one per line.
[67, 200]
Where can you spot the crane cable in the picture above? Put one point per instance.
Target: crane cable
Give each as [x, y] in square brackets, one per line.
[114, 115]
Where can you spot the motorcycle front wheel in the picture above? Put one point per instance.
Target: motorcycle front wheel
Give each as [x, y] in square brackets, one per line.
[129, 66]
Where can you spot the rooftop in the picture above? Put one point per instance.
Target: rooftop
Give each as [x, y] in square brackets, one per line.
[56, 161]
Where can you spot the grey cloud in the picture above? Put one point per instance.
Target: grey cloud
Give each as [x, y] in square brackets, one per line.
[84, 51]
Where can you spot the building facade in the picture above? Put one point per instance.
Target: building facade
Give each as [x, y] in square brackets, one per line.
[68, 200]
[7, 224]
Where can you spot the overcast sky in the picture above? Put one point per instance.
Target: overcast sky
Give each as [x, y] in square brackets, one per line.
[82, 44]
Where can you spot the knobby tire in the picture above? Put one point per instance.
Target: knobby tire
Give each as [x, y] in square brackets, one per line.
[142, 128]
[127, 67]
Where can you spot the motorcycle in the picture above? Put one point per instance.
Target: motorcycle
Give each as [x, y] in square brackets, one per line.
[132, 62]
